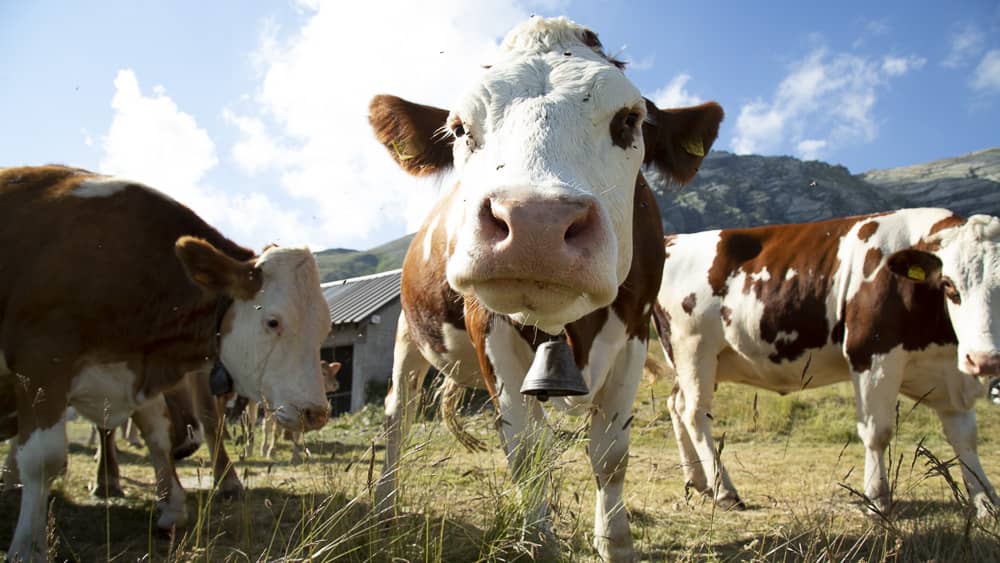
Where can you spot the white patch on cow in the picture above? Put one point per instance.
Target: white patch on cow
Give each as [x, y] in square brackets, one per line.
[970, 258]
[762, 276]
[787, 337]
[608, 344]
[647, 308]
[790, 273]
[100, 186]
[104, 393]
[460, 361]
[429, 237]
[510, 355]
[531, 136]
[39, 459]
[282, 368]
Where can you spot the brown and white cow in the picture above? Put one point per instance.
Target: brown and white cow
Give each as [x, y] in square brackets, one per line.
[549, 228]
[110, 292]
[904, 301]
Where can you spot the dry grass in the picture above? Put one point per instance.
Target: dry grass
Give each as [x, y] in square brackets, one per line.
[793, 458]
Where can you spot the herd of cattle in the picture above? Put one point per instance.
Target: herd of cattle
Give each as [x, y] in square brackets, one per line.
[121, 302]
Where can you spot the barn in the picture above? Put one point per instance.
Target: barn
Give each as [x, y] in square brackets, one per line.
[363, 315]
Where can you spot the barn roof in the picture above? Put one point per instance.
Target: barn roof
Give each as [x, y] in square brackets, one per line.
[355, 299]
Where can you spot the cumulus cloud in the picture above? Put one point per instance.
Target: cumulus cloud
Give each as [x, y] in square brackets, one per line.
[675, 94]
[824, 102]
[151, 140]
[307, 119]
[965, 44]
[986, 77]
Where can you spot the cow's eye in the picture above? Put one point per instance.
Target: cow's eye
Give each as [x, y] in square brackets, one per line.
[273, 324]
[950, 291]
[631, 120]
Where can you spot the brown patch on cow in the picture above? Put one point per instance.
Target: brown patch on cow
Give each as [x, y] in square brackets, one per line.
[872, 259]
[661, 321]
[623, 128]
[428, 300]
[892, 310]
[589, 38]
[727, 315]
[946, 223]
[689, 302]
[638, 292]
[867, 230]
[796, 305]
[412, 134]
[112, 288]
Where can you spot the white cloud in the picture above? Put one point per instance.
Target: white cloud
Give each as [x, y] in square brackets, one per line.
[898, 66]
[986, 77]
[674, 94]
[308, 117]
[825, 102]
[151, 140]
[966, 42]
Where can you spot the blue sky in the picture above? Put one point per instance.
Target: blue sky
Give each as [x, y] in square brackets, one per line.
[254, 113]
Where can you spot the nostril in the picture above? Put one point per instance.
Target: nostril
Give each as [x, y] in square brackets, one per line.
[580, 226]
[494, 219]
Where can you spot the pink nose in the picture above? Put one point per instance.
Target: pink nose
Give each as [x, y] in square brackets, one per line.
[983, 363]
[558, 233]
[314, 418]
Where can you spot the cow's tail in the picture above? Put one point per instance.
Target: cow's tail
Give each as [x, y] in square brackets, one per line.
[655, 369]
[452, 394]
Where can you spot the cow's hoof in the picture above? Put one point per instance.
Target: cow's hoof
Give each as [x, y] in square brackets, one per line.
[230, 491]
[104, 490]
[730, 502]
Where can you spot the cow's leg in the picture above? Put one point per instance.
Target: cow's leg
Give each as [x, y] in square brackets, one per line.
[153, 421]
[11, 476]
[212, 414]
[268, 436]
[876, 391]
[131, 434]
[960, 429]
[693, 472]
[696, 366]
[108, 483]
[298, 447]
[609, 441]
[41, 456]
[409, 367]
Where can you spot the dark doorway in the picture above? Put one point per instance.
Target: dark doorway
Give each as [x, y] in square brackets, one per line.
[340, 402]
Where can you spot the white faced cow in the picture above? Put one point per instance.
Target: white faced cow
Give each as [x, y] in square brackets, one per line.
[549, 227]
[898, 302]
[110, 292]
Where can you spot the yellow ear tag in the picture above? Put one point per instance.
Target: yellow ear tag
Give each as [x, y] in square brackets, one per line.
[916, 273]
[400, 148]
[693, 146]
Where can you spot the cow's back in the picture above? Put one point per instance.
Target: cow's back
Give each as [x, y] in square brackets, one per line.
[88, 269]
[792, 306]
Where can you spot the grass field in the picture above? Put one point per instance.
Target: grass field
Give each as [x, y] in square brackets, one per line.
[793, 459]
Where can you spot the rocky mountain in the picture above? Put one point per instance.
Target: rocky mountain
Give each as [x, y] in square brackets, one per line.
[744, 190]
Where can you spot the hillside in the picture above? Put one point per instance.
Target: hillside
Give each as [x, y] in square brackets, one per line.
[739, 191]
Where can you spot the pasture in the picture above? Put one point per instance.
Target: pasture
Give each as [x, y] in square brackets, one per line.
[796, 459]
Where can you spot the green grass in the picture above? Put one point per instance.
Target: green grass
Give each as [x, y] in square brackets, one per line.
[791, 458]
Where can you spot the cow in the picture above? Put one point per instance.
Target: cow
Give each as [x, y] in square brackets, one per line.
[549, 231]
[110, 292]
[899, 302]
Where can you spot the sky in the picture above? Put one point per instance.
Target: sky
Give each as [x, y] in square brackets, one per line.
[255, 113]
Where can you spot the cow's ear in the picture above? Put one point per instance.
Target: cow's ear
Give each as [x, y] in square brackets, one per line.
[678, 139]
[412, 133]
[215, 272]
[915, 265]
[331, 369]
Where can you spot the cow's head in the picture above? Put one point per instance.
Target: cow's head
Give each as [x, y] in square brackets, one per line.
[271, 334]
[547, 147]
[964, 263]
